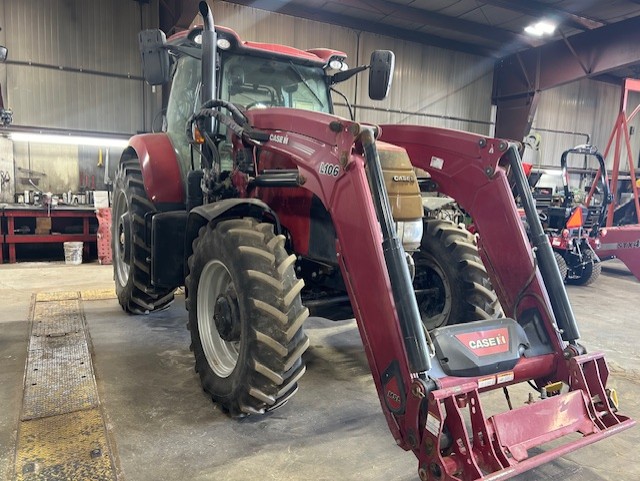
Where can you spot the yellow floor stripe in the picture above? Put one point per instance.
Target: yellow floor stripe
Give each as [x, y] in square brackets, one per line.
[86, 295]
[70, 447]
[56, 296]
[62, 434]
[98, 294]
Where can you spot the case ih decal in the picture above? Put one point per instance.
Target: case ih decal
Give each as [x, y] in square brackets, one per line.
[485, 343]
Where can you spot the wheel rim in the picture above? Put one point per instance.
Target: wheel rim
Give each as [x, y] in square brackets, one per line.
[215, 282]
[433, 293]
[120, 259]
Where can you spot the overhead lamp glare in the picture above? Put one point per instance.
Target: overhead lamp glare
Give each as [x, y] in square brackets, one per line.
[540, 29]
[68, 140]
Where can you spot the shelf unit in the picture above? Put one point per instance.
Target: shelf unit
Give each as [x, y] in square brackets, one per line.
[14, 213]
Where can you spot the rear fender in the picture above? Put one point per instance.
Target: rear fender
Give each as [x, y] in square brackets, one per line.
[225, 209]
[161, 173]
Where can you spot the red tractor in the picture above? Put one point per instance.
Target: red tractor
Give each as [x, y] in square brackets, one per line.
[571, 226]
[267, 206]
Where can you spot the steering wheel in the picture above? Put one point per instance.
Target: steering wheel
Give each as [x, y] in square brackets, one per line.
[261, 104]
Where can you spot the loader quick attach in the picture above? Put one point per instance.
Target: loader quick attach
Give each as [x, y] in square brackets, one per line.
[278, 208]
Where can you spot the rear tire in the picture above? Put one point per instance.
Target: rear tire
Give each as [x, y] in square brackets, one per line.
[590, 272]
[562, 265]
[245, 316]
[449, 267]
[131, 254]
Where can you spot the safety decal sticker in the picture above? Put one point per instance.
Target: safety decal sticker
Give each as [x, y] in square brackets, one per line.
[505, 377]
[433, 424]
[437, 162]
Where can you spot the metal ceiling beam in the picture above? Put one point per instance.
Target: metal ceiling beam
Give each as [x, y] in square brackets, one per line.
[520, 77]
[417, 15]
[297, 10]
[538, 9]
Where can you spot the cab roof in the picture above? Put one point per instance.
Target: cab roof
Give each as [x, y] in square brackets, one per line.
[320, 56]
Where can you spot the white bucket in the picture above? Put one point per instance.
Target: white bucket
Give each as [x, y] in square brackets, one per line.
[73, 253]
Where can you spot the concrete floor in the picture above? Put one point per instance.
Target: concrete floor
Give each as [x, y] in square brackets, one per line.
[164, 427]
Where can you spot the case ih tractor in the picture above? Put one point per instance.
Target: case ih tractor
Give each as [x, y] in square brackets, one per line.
[267, 207]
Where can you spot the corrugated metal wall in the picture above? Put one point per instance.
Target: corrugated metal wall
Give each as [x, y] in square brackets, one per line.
[583, 107]
[430, 87]
[65, 36]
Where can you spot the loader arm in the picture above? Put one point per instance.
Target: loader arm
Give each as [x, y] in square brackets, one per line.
[347, 197]
[422, 401]
[472, 169]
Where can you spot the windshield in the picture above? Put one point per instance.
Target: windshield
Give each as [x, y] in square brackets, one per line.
[254, 82]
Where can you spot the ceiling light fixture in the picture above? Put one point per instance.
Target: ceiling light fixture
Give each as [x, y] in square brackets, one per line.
[540, 29]
[68, 140]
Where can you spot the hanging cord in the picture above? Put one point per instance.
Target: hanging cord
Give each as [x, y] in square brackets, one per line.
[526, 285]
[507, 397]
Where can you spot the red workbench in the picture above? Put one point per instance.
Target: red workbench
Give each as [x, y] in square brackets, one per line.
[70, 214]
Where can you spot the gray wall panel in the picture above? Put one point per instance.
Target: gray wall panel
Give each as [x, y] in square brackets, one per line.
[588, 107]
[429, 81]
[77, 34]
[49, 98]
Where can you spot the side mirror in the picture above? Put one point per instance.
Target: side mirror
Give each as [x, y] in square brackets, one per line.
[4, 51]
[381, 73]
[155, 56]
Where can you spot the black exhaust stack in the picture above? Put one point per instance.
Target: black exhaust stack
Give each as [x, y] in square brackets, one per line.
[209, 40]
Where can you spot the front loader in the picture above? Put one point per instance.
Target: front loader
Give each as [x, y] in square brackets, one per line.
[257, 189]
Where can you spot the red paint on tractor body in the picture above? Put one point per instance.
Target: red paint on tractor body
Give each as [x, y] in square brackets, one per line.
[160, 169]
[622, 242]
[326, 151]
[423, 411]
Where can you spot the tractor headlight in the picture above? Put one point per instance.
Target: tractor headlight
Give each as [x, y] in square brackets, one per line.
[410, 234]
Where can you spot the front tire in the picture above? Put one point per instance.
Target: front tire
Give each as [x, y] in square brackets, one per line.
[245, 316]
[131, 254]
[452, 286]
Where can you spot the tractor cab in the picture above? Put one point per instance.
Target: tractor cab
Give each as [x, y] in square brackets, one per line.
[249, 75]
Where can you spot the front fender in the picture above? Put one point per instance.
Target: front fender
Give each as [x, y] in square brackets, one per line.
[227, 208]
[161, 173]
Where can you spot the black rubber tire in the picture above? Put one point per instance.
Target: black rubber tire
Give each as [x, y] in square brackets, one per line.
[448, 262]
[590, 272]
[562, 265]
[135, 293]
[270, 312]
